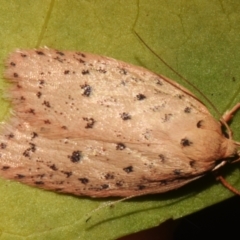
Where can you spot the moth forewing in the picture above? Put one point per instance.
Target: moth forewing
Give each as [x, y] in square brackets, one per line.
[91, 125]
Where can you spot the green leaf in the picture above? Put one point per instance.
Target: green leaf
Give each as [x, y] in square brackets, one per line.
[200, 39]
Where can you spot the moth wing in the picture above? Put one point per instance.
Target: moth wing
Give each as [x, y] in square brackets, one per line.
[76, 113]
[90, 167]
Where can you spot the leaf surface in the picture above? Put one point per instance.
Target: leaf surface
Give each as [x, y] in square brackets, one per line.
[199, 39]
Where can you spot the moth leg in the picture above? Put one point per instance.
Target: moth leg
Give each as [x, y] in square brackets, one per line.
[227, 185]
[227, 116]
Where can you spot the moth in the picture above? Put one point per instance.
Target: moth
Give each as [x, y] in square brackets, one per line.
[94, 126]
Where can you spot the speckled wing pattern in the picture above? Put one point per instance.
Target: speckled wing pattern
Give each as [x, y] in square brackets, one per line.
[95, 126]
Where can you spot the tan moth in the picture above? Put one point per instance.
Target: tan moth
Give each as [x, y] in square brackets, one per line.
[91, 125]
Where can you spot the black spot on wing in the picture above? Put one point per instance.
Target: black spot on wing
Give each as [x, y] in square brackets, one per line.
[141, 187]
[39, 182]
[60, 53]
[76, 156]
[187, 110]
[10, 136]
[20, 176]
[128, 169]
[3, 145]
[90, 122]
[163, 182]
[123, 71]
[68, 174]
[119, 183]
[140, 96]
[125, 116]
[185, 142]
[104, 186]
[177, 172]
[200, 124]
[47, 104]
[192, 163]
[4, 168]
[15, 75]
[28, 151]
[85, 72]
[120, 146]
[41, 83]
[81, 54]
[34, 135]
[159, 82]
[109, 176]
[39, 52]
[167, 117]
[101, 70]
[47, 121]
[39, 94]
[86, 90]
[83, 180]
[53, 167]
[162, 157]
[31, 110]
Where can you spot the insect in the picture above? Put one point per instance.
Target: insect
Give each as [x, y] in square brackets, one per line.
[95, 126]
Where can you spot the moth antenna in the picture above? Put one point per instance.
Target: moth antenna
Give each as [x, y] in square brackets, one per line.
[112, 203]
[178, 74]
[222, 119]
[227, 116]
[228, 186]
